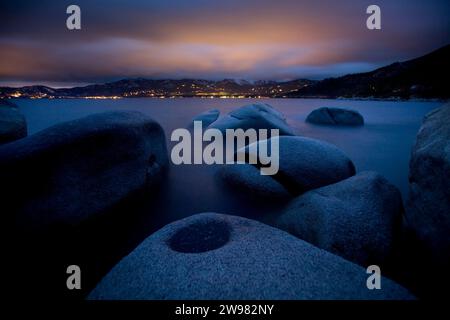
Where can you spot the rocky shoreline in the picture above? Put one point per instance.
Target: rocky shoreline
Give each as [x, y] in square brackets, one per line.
[332, 224]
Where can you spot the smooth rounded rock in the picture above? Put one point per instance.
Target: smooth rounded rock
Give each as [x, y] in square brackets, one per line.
[428, 209]
[358, 218]
[304, 164]
[254, 116]
[335, 116]
[206, 117]
[256, 262]
[74, 170]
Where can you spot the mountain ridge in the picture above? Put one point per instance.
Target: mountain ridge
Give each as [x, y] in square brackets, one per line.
[424, 77]
[141, 87]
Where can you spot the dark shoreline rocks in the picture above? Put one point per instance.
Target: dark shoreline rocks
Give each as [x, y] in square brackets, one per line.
[254, 116]
[77, 169]
[358, 218]
[335, 116]
[305, 164]
[13, 125]
[245, 260]
[428, 208]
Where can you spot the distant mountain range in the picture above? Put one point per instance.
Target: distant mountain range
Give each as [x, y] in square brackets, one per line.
[163, 88]
[424, 77]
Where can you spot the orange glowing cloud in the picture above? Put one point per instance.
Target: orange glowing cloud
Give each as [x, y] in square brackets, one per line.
[208, 39]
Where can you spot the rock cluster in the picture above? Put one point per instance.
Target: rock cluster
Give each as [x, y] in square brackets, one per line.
[304, 164]
[333, 224]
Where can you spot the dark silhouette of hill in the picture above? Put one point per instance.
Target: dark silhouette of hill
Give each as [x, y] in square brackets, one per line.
[424, 77]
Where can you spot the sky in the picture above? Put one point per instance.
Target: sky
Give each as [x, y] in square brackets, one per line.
[210, 39]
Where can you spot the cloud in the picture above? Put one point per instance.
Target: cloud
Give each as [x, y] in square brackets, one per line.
[210, 39]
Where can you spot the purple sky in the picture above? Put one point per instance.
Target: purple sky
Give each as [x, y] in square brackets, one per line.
[248, 39]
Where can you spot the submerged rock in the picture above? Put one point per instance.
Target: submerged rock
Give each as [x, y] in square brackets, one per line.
[73, 170]
[13, 125]
[256, 116]
[428, 210]
[304, 164]
[358, 218]
[335, 116]
[216, 256]
[206, 117]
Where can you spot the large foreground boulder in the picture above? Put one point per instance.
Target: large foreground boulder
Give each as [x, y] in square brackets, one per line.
[12, 122]
[304, 164]
[73, 170]
[256, 116]
[215, 256]
[358, 218]
[335, 116]
[428, 210]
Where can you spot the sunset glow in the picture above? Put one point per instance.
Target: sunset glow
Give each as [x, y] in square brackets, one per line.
[253, 40]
